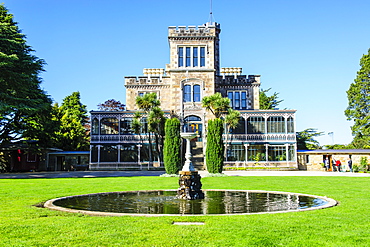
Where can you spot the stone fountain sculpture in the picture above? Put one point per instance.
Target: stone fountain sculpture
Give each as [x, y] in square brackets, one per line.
[189, 181]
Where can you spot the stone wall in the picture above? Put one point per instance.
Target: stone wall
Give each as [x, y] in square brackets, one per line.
[314, 161]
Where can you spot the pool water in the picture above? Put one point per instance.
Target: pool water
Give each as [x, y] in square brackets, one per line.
[215, 202]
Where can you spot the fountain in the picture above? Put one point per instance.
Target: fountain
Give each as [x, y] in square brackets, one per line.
[189, 199]
[189, 181]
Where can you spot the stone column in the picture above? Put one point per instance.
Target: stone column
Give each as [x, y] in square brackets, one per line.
[189, 181]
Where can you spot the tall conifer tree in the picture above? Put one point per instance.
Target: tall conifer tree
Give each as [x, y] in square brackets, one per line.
[215, 146]
[172, 146]
[23, 103]
[358, 108]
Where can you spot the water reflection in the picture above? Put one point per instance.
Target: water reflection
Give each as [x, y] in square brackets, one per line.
[165, 202]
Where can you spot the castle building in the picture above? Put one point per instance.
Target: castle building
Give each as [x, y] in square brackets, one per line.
[262, 138]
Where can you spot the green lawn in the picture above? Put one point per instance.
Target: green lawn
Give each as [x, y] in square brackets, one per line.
[22, 224]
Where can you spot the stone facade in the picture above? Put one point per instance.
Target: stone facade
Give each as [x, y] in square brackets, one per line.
[265, 137]
[169, 83]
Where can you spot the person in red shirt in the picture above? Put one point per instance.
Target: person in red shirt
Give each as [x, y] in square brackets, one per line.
[338, 164]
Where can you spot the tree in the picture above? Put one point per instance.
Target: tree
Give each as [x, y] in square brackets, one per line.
[216, 104]
[231, 122]
[305, 139]
[215, 146]
[358, 108]
[338, 146]
[268, 102]
[42, 127]
[23, 103]
[156, 122]
[112, 105]
[172, 146]
[72, 133]
[149, 104]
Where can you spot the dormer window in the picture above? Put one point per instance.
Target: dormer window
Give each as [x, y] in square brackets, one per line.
[191, 56]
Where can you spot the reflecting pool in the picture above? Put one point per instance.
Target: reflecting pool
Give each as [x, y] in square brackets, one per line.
[164, 202]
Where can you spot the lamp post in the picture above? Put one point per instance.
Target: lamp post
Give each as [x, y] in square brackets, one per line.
[138, 155]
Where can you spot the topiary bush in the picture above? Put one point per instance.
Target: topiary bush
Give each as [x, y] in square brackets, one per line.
[172, 146]
[215, 146]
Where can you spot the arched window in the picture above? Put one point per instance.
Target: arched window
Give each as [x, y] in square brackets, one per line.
[275, 125]
[290, 125]
[256, 125]
[187, 93]
[192, 93]
[196, 93]
[95, 127]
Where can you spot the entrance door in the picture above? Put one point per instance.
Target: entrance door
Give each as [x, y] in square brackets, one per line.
[330, 162]
[194, 124]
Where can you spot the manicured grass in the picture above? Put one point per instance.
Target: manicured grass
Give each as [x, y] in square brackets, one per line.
[22, 224]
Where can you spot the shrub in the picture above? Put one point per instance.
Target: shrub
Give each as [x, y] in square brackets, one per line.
[363, 164]
[172, 146]
[215, 146]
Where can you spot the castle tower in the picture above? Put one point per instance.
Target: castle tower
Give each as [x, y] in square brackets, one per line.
[194, 48]
[193, 68]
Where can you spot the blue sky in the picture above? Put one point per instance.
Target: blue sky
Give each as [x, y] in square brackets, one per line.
[307, 51]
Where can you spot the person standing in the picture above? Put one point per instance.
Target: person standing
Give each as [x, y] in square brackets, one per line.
[334, 165]
[327, 164]
[338, 164]
[350, 164]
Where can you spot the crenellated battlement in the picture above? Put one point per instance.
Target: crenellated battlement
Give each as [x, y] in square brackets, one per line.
[231, 71]
[208, 29]
[151, 76]
[237, 79]
[153, 72]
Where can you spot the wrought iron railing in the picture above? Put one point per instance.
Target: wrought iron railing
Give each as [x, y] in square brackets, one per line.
[260, 137]
[231, 138]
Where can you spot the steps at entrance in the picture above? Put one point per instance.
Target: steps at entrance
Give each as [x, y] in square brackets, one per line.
[198, 157]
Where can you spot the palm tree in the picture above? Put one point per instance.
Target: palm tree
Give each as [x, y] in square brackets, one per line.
[216, 104]
[156, 122]
[219, 106]
[149, 104]
[231, 121]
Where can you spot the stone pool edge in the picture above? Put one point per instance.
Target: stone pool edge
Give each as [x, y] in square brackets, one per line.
[49, 204]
